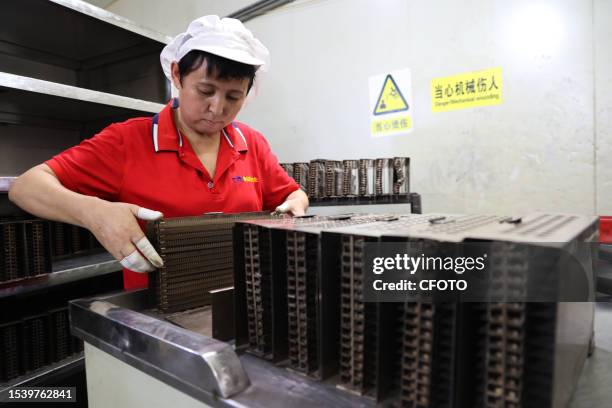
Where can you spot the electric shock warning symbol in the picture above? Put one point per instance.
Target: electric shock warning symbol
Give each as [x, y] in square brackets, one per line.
[390, 99]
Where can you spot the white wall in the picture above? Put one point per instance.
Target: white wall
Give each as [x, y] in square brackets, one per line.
[603, 99]
[533, 152]
[171, 16]
[536, 151]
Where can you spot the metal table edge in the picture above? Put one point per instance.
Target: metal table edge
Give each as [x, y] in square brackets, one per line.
[133, 338]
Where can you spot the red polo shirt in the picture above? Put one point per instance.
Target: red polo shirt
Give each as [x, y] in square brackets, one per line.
[147, 162]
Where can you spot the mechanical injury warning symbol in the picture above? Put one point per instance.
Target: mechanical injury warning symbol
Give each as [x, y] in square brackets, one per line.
[390, 103]
[390, 99]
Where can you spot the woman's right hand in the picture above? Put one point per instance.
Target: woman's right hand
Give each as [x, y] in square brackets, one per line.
[116, 228]
[39, 192]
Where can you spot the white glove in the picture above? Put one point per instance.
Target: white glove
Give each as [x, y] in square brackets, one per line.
[151, 260]
[282, 209]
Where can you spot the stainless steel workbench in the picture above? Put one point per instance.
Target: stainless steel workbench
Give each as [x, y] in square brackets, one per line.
[136, 358]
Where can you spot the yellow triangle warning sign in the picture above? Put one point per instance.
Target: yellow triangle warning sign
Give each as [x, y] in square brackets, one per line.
[390, 99]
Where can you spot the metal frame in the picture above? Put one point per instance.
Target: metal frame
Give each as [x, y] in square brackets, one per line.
[66, 271]
[414, 199]
[40, 64]
[22, 83]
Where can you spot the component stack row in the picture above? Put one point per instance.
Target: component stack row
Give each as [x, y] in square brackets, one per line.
[352, 178]
[299, 303]
[34, 342]
[28, 246]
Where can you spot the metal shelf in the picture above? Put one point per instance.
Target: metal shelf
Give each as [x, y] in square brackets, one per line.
[72, 364]
[50, 114]
[361, 200]
[64, 271]
[86, 47]
[35, 98]
[414, 199]
[60, 83]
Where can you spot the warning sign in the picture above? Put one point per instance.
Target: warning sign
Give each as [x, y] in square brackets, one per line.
[390, 103]
[390, 99]
[480, 88]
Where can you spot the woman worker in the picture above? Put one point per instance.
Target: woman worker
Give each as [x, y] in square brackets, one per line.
[189, 159]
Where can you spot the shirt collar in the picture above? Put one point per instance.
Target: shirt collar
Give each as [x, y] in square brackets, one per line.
[235, 138]
[166, 136]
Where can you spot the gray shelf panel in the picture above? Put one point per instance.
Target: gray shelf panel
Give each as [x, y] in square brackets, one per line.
[88, 10]
[65, 271]
[85, 46]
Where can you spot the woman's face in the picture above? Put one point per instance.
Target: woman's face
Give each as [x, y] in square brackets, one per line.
[208, 104]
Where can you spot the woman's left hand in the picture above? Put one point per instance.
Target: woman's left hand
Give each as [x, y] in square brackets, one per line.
[296, 204]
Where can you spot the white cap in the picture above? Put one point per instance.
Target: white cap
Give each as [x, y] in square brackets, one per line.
[225, 37]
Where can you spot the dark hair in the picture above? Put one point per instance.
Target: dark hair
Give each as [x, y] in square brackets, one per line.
[224, 68]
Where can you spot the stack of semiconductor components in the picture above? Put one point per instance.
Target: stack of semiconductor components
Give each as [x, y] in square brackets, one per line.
[300, 287]
[352, 178]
